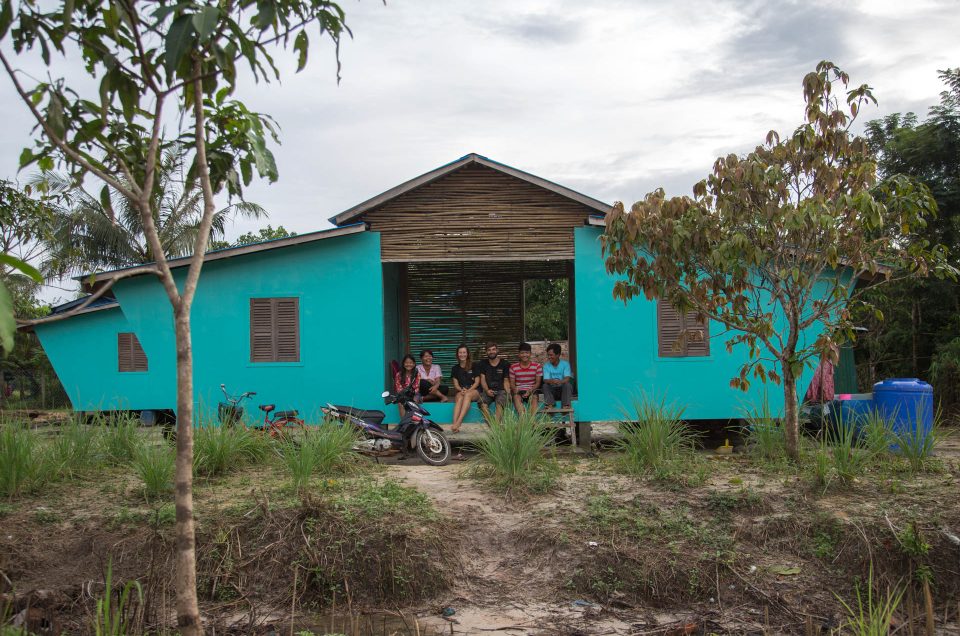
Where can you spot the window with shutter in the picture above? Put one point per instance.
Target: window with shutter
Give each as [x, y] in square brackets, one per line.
[681, 336]
[130, 355]
[274, 330]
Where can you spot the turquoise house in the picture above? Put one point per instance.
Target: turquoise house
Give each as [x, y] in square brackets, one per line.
[436, 261]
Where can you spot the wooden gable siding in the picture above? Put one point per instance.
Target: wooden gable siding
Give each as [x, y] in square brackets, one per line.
[477, 214]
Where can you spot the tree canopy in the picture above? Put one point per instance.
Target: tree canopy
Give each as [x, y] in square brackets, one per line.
[772, 244]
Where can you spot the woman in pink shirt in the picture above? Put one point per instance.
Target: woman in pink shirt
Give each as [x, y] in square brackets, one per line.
[430, 376]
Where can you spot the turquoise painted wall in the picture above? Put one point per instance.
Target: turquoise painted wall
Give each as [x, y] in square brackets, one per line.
[617, 353]
[83, 351]
[339, 283]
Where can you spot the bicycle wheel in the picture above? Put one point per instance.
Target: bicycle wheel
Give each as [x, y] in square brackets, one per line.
[286, 428]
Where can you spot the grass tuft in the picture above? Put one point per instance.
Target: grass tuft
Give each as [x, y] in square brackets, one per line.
[24, 464]
[220, 449]
[325, 449]
[873, 613]
[155, 467]
[511, 454]
[915, 444]
[764, 432]
[655, 437]
[75, 449]
[120, 440]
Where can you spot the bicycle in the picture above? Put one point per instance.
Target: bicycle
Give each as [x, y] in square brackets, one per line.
[281, 424]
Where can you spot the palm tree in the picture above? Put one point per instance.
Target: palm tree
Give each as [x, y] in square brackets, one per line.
[105, 232]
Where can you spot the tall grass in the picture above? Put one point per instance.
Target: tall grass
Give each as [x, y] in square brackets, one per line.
[323, 450]
[763, 432]
[219, 449]
[876, 434]
[916, 444]
[76, 448]
[113, 619]
[873, 613]
[654, 435]
[511, 454]
[155, 467]
[24, 463]
[848, 458]
[120, 439]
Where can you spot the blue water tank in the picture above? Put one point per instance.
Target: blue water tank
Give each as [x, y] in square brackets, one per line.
[907, 403]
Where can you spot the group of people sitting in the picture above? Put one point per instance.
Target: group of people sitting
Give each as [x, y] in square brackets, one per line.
[491, 380]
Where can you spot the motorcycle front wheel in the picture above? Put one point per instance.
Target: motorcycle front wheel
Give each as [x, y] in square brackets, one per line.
[432, 447]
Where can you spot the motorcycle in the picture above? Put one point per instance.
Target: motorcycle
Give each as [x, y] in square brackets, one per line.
[415, 431]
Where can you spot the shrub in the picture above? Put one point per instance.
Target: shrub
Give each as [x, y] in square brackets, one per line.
[219, 449]
[657, 435]
[322, 450]
[511, 454]
[24, 466]
[155, 467]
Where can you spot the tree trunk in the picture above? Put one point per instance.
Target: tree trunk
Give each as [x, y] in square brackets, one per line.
[188, 613]
[791, 420]
[915, 336]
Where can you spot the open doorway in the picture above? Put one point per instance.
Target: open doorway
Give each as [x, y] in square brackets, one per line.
[440, 305]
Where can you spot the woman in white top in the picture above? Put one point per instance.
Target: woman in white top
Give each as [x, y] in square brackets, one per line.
[430, 376]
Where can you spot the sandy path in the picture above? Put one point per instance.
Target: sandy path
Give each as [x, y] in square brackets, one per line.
[509, 576]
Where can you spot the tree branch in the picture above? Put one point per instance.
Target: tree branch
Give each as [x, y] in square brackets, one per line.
[74, 156]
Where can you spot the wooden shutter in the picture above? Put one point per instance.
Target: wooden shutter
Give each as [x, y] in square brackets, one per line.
[287, 317]
[681, 336]
[274, 329]
[130, 355]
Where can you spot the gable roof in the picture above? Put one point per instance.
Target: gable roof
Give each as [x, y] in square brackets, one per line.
[353, 214]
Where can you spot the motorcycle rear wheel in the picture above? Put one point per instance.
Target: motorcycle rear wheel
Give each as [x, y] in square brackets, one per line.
[432, 447]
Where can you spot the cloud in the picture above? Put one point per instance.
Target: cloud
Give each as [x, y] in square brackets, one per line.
[540, 28]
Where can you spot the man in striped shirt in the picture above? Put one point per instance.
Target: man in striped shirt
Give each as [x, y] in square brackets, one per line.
[525, 379]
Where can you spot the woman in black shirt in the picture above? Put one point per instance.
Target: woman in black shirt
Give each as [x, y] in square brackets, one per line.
[465, 383]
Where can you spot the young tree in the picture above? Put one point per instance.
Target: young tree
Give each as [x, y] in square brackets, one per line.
[25, 225]
[148, 59]
[774, 243]
[93, 232]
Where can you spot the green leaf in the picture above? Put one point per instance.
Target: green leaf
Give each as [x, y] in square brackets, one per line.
[6, 17]
[301, 44]
[205, 21]
[26, 158]
[22, 266]
[266, 165]
[8, 325]
[178, 42]
[784, 570]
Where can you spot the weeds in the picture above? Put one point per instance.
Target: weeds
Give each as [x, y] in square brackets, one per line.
[24, 466]
[917, 444]
[876, 434]
[120, 440]
[323, 450]
[849, 460]
[155, 467]
[114, 620]
[219, 449]
[657, 435]
[75, 449]
[512, 456]
[763, 431]
[872, 615]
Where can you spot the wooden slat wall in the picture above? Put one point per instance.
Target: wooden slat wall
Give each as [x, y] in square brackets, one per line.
[465, 302]
[479, 214]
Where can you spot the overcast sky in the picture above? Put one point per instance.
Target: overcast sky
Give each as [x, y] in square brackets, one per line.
[612, 98]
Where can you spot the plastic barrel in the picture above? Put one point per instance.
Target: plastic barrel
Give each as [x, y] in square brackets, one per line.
[907, 403]
[851, 410]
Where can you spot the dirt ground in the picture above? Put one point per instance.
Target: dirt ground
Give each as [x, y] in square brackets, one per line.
[729, 545]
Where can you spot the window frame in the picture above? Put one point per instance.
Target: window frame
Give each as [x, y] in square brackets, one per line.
[131, 358]
[272, 330]
[688, 322]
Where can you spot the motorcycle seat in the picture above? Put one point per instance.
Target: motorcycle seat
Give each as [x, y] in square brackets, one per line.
[372, 417]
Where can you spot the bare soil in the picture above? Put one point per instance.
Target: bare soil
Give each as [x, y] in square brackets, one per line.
[746, 547]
